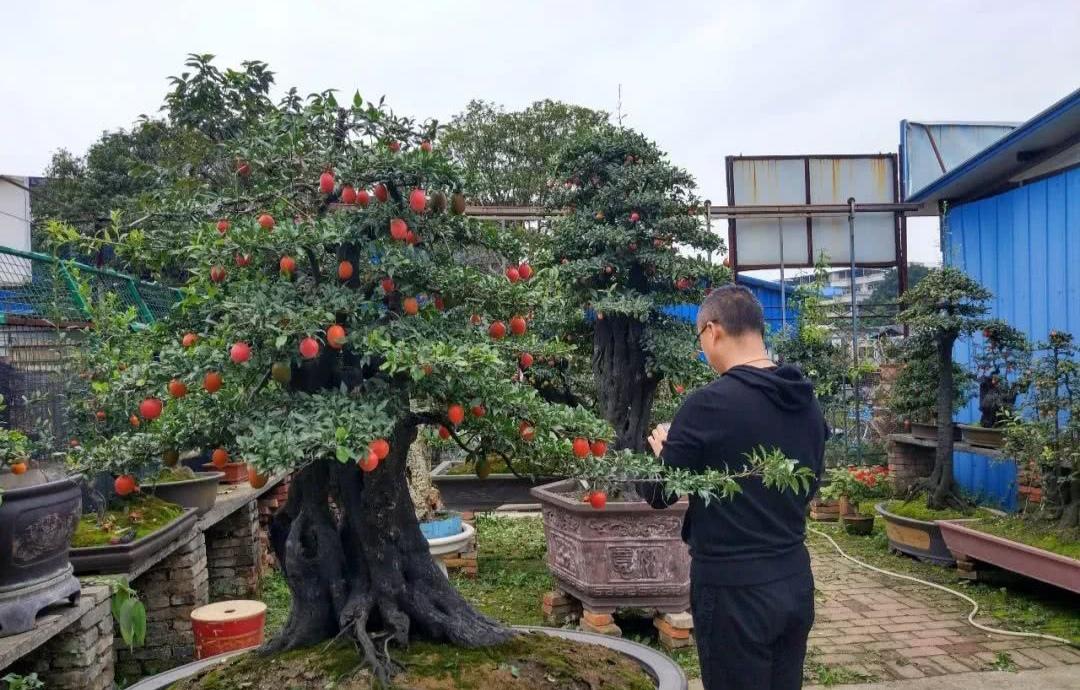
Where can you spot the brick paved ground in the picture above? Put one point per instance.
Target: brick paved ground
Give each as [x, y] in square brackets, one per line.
[870, 627]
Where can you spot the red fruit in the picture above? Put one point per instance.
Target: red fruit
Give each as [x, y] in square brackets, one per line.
[411, 238]
[679, 388]
[287, 265]
[394, 146]
[581, 447]
[19, 468]
[219, 458]
[189, 340]
[513, 275]
[525, 271]
[476, 319]
[240, 353]
[177, 389]
[348, 194]
[363, 198]
[456, 414]
[632, 246]
[326, 182]
[242, 168]
[444, 433]
[635, 217]
[425, 146]
[266, 221]
[217, 274]
[309, 348]
[428, 369]
[528, 433]
[598, 499]
[150, 408]
[399, 230]
[417, 200]
[518, 325]
[100, 414]
[380, 192]
[410, 306]
[439, 303]
[134, 421]
[369, 462]
[380, 447]
[525, 360]
[497, 330]
[212, 382]
[243, 260]
[598, 448]
[344, 270]
[387, 285]
[124, 485]
[223, 226]
[478, 410]
[335, 336]
[683, 283]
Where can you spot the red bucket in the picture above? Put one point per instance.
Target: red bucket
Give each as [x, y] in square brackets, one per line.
[227, 626]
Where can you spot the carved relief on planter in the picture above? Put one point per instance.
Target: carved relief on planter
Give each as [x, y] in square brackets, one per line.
[626, 555]
[43, 534]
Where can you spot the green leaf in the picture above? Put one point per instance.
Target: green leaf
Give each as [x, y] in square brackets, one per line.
[343, 454]
[280, 341]
[138, 623]
[126, 621]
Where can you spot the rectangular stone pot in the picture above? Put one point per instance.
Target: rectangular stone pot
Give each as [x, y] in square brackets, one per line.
[626, 555]
[964, 540]
[111, 559]
[982, 437]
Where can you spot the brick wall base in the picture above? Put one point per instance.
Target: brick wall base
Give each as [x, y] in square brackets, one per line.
[81, 657]
[268, 505]
[169, 590]
[234, 557]
[908, 463]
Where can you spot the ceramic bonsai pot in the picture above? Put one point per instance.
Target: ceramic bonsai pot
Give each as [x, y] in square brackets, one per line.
[232, 472]
[858, 525]
[928, 432]
[666, 674]
[36, 525]
[965, 541]
[256, 480]
[982, 437]
[110, 559]
[917, 538]
[471, 493]
[626, 555]
[199, 493]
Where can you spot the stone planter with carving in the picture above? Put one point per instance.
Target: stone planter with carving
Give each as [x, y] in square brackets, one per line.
[626, 555]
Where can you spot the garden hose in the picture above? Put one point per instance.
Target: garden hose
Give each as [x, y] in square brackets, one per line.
[974, 604]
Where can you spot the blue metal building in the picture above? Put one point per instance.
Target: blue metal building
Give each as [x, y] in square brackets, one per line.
[767, 292]
[1012, 222]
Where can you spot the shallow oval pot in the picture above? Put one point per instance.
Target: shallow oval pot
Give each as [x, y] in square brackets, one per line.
[199, 493]
[917, 538]
[665, 673]
[1038, 564]
[982, 437]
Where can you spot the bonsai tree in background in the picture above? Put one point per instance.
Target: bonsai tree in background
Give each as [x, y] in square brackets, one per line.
[628, 213]
[999, 365]
[1050, 433]
[326, 319]
[945, 305]
[14, 447]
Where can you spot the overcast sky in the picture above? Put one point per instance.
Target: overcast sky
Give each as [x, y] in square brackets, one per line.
[704, 79]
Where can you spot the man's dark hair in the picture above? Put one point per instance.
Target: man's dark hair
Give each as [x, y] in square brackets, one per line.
[735, 308]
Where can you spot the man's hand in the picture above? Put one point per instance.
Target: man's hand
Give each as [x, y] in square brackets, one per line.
[657, 438]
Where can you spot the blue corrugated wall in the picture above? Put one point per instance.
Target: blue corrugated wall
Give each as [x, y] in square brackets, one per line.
[1024, 246]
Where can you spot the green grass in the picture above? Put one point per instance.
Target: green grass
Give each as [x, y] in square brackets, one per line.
[820, 673]
[274, 592]
[143, 514]
[916, 510]
[1039, 535]
[1021, 604]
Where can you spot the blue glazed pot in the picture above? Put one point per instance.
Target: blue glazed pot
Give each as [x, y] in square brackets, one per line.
[446, 526]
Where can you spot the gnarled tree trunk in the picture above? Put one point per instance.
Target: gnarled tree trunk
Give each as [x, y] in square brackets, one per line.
[352, 553]
[942, 491]
[624, 388]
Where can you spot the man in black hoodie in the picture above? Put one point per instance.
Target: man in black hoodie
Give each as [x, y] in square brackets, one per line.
[752, 592]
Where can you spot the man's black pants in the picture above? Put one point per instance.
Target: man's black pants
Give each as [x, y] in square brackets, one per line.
[753, 637]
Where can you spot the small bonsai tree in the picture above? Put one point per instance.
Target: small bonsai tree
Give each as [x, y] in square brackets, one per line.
[945, 305]
[629, 212]
[1050, 433]
[999, 363]
[14, 447]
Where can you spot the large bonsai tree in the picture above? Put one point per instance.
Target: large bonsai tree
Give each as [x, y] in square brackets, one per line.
[325, 319]
[631, 221]
[945, 305]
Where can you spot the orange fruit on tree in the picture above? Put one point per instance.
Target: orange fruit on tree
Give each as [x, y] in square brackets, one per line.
[518, 325]
[497, 330]
[19, 468]
[369, 462]
[212, 382]
[598, 448]
[266, 221]
[444, 433]
[380, 447]
[309, 348]
[189, 340]
[344, 270]
[177, 388]
[598, 499]
[287, 264]
[150, 408]
[219, 458]
[134, 421]
[335, 336]
[581, 447]
[410, 306]
[124, 485]
[456, 414]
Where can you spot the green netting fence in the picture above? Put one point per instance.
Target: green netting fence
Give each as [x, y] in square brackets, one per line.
[39, 286]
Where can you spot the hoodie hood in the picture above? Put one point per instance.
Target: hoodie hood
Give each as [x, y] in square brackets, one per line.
[785, 385]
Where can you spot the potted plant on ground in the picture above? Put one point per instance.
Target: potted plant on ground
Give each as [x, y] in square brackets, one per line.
[999, 363]
[853, 487]
[945, 305]
[38, 513]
